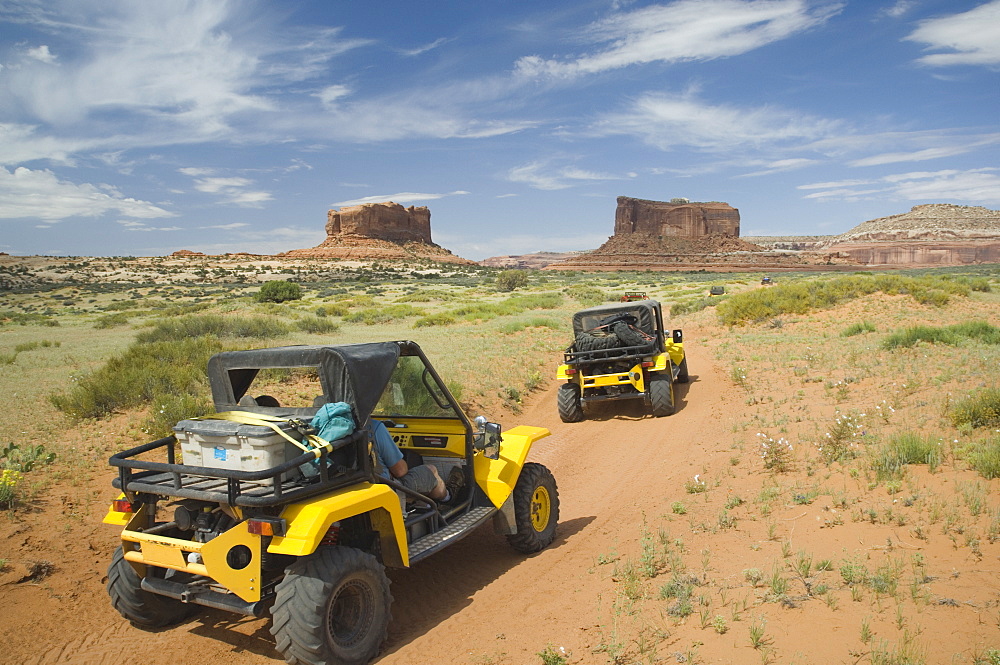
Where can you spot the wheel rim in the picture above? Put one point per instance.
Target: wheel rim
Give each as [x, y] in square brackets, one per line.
[351, 613]
[541, 506]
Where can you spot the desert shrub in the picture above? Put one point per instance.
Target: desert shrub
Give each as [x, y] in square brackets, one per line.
[979, 331]
[9, 480]
[426, 296]
[373, 316]
[890, 459]
[122, 305]
[588, 296]
[143, 373]
[858, 328]
[336, 309]
[915, 334]
[358, 301]
[168, 409]
[980, 409]
[257, 327]
[691, 306]
[535, 322]
[316, 325]
[508, 280]
[984, 458]
[8, 358]
[27, 318]
[535, 301]
[25, 458]
[807, 295]
[111, 320]
[278, 291]
[439, 319]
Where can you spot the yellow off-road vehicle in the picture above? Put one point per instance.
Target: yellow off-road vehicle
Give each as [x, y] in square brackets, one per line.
[257, 513]
[621, 351]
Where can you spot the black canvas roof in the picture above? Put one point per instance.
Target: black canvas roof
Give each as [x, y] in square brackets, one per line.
[352, 373]
[644, 312]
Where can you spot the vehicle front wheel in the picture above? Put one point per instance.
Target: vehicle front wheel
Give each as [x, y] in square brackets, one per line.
[332, 608]
[142, 608]
[661, 394]
[570, 406]
[536, 509]
[682, 371]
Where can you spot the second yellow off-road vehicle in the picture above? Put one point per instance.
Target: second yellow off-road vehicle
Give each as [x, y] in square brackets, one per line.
[621, 351]
[256, 513]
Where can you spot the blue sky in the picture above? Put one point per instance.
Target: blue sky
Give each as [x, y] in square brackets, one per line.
[141, 128]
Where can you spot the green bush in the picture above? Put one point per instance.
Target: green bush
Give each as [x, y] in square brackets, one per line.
[588, 296]
[980, 409]
[980, 331]
[858, 328]
[185, 327]
[508, 280]
[278, 291]
[111, 320]
[169, 409]
[439, 319]
[985, 458]
[316, 325]
[535, 322]
[804, 296]
[144, 373]
[374, 316]
[889, 459]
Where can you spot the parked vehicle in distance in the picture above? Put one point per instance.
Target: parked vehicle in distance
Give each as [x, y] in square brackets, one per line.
[621, 351]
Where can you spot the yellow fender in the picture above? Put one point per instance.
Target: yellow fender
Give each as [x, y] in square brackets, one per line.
[309, 520]
[497, 477]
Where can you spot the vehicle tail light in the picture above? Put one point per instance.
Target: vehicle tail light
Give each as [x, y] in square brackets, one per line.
[122, 506]
[648, 363]
[570, 372]
[266, 526]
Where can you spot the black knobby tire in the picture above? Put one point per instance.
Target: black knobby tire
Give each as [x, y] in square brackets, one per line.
[332, 607]
[570, 406]
[661, 394]
[682, 371]
[536, 509]
[142, 608]
[627, 335]
[596, 341]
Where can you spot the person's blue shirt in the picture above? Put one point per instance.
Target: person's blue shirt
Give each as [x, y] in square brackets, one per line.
[386, 450]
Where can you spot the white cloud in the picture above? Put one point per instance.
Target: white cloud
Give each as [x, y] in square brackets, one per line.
[420, 50]
[665, 121]
[900, 8]
[41, 54]
[972, 37]
[196, 171]
[226, 227]
[131, 225]
[974, 186]
[781, 165]
[682, 30]
[541, 175]
[39, 194]
[234, 190]
[400, 198]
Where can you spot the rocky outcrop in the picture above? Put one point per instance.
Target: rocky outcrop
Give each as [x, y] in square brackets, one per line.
[379, 231]
[678, 218]
[534, 261]
[186, 252]
[382, 221]
[932, 234]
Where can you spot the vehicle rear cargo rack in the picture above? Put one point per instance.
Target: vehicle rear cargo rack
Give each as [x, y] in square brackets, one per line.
[256, 489]
[604, 355]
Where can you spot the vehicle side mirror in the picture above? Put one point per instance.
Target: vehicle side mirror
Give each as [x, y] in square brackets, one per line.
[487, 439]
[678, 336]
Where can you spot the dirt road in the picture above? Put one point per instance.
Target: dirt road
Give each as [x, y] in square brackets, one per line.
[478, 601]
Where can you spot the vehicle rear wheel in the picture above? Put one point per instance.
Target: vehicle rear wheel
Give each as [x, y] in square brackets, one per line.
[682, 371]
[536, 509]
[142, 608]
[332, 607]
[570, 406]
[661, 394]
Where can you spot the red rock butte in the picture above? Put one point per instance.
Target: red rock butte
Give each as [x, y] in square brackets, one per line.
[382, 231]
[676, 218]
